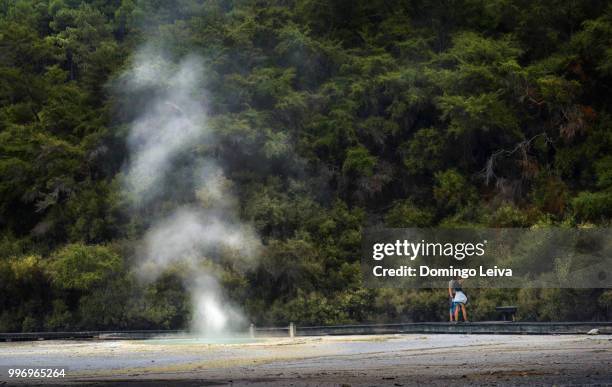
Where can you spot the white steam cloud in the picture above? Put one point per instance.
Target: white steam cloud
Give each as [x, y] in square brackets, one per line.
[197, 233]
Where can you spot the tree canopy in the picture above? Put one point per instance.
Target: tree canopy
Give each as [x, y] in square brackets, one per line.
[331, 116]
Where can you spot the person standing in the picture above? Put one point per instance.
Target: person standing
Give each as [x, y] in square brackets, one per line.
[459, 301]
[452, 285]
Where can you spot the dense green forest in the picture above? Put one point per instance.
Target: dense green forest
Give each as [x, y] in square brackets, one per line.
[330, 116]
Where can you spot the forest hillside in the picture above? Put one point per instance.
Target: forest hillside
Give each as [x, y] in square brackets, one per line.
[328, 117]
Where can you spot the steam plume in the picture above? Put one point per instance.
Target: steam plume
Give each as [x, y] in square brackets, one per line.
[201, 227]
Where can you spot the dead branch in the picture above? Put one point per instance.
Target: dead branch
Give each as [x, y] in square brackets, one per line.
[489, 169]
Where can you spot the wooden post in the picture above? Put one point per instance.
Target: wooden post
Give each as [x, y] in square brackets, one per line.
[252, 330]
[291, 330]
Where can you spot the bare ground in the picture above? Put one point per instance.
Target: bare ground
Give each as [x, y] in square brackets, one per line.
[394, 360]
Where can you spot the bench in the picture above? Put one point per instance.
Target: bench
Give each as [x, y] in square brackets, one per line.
[508, 313]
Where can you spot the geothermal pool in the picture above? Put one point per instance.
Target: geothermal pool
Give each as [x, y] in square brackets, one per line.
[435, 359]
[202, 340]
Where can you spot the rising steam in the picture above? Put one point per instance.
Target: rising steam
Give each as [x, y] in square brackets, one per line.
[201, 227]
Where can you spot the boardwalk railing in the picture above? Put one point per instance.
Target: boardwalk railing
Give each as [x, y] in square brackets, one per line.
[492, 327]
[292, 330]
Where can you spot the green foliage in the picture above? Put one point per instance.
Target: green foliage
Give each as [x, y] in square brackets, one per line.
[558, 304]
[60, 317]
[508, 215]
[314, 309]
[452, 191]
[329, 116]
[359, 161]
[406, 214]
[423, 150]
[23, 293]
[593, 206]
[593, 41]
[550, 195]
[82, 267]
[605, 301]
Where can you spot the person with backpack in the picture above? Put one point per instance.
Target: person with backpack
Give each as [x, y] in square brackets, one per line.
[460, 300]
[452, 285]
